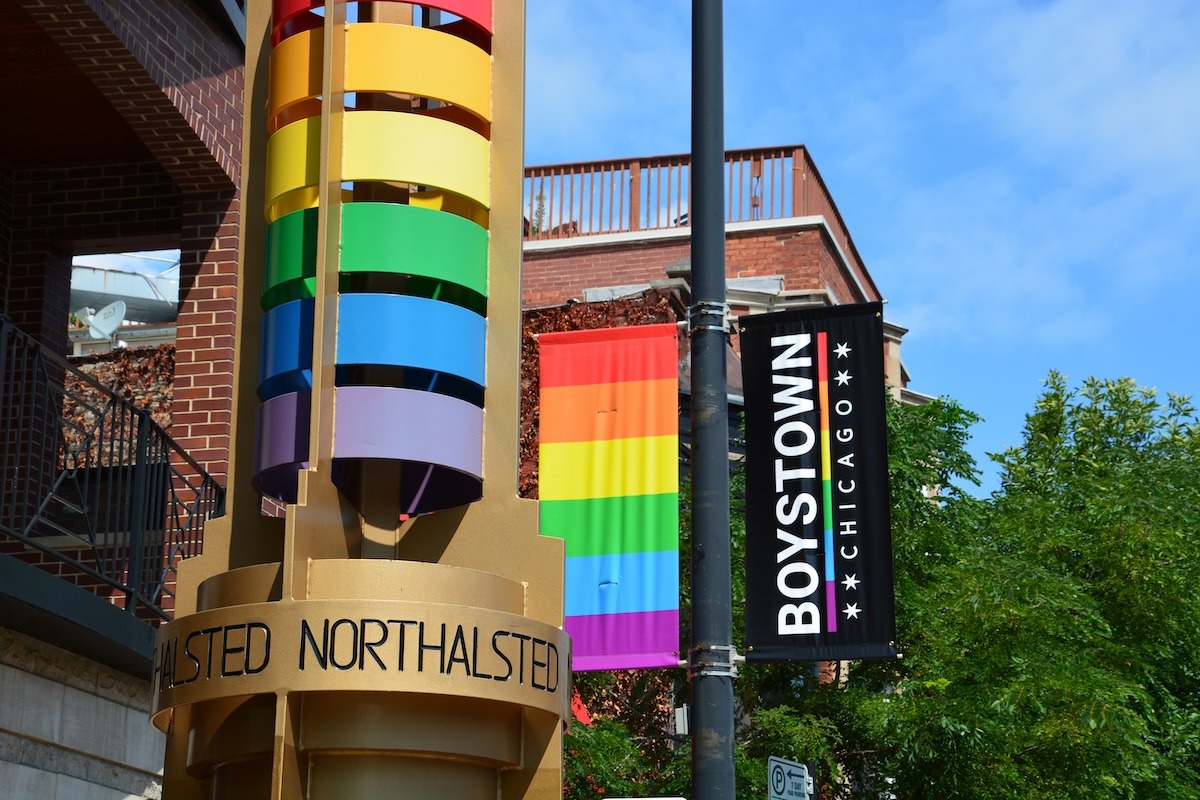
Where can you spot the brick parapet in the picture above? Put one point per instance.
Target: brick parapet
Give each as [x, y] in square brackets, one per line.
[802, 252]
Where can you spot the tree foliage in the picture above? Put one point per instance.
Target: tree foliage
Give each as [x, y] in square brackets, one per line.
[1050, 633]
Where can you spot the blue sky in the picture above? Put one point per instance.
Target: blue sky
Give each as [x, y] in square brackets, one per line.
[1022, 179]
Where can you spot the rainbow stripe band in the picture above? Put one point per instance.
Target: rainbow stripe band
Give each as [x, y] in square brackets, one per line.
[608, 485]
[439, 439]
[411, 285]
[387, 237]
[293, 167]
[385, 58]
[284, 367]
[441, 442]
[395, 58]
[645, 626]
[650, 519]
[281, 444]
[649, 465]
[291, 258]
[476, 11]
[435, 153]
[295, 73]
[290, 17]
[826, 482]
[577, 421]
[376, 237]
[457, 349]
[627, 583]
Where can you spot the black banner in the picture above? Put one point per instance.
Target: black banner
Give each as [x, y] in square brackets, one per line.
[818, 536]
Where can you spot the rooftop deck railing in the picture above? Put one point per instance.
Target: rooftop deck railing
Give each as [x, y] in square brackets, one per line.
[564, 201]
[93, 490]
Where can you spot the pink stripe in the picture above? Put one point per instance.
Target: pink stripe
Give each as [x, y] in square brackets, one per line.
[624, 641]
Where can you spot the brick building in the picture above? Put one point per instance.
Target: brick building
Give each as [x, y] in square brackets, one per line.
[603, 230]
[123, 133]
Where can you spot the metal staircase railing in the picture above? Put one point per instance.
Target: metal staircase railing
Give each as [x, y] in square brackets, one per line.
[92, 488]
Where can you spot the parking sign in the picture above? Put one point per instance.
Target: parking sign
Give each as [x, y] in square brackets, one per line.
[786, 780]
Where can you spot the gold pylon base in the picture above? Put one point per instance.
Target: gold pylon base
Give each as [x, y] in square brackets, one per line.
[391, 679]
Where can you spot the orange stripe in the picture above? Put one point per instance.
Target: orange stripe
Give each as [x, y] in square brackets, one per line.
[623, 410]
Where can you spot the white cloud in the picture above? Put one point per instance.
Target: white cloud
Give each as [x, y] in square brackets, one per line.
[1083, 87]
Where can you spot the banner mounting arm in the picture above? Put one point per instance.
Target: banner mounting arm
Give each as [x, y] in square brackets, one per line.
[714, 660]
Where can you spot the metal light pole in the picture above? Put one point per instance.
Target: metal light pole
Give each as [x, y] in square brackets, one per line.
[710, 662]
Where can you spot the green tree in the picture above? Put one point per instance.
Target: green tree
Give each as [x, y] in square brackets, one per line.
[1050, 633]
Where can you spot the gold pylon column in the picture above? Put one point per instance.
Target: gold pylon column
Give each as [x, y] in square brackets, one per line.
[398, 632]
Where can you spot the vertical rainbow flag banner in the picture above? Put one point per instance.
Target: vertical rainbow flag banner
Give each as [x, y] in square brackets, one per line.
[609, 487]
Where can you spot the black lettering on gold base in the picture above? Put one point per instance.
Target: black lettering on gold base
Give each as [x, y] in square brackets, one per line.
[367, 644]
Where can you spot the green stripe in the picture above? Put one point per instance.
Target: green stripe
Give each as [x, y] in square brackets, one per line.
[433, 248]
[291, 258]
[410, 240]
[636, 524]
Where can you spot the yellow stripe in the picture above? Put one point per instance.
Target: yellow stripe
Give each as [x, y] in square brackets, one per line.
[826, 457]
[389, 146]
[410, 60]
[609, 468]
[293, 167]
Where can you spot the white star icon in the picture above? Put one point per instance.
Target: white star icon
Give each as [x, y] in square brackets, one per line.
[842, 350]
[843, 378]
[851, 581]
[851, 611]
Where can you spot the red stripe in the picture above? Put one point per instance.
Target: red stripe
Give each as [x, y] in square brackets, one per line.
[822, 358]
[609, 355]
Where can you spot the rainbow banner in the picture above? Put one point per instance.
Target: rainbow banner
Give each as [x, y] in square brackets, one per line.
[609, 487]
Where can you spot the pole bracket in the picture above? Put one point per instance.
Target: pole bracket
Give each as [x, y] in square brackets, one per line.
[708, 316]
[714, 660]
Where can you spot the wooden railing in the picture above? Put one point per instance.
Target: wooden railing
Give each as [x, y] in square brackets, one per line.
[596, 197]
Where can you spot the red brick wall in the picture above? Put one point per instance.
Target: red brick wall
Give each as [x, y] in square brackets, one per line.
[206, 328]
[550, 277]
[59, 211]
[805, 257]
[167, 69]
[6, 209]
[177, 80]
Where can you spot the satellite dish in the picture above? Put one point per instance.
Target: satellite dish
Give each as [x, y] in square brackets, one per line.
[104, 323]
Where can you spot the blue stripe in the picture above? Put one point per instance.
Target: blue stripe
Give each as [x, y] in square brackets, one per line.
[622, 583]
[830, 561]
[286, 362]
[398, 330]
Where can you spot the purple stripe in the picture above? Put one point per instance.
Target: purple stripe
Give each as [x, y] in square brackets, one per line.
[624, 641]
[831, 606]
[281, 444]
[408, 425]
